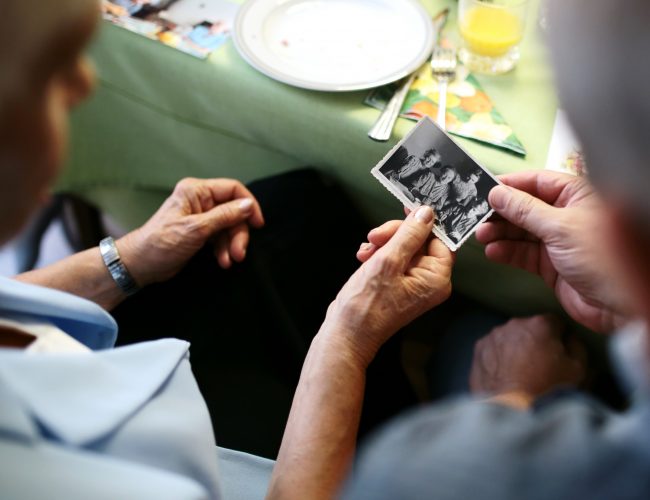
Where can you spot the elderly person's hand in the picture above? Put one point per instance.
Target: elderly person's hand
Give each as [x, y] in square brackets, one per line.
[550, 223]
[198, 211]
[407, 276]
[526, 357]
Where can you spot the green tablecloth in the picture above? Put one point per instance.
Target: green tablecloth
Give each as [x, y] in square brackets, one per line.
[159, 115]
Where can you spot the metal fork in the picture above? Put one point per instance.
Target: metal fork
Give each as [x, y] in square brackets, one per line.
[443, 67]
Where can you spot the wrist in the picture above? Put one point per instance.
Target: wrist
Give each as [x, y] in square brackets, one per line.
[116, 268]
[129, 249]
[340, 339]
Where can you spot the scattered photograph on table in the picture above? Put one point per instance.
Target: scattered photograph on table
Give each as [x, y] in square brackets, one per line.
[197, 27]
[427, 167]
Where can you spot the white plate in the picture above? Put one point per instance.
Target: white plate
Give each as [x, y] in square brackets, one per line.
[334, 45]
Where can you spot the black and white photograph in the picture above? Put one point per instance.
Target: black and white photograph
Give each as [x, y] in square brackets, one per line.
[428, 168]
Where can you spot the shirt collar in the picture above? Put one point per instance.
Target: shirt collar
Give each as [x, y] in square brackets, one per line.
[81, 319]
[81, 397]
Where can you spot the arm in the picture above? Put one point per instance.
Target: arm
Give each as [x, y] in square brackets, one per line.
[197, 211]
[83, 274]
[400, 281]
[319, 441]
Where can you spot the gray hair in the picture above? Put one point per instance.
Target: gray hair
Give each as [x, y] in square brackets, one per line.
[601, 52]
[26, 27]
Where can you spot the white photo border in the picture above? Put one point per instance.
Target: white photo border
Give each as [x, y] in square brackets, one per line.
[412, 205]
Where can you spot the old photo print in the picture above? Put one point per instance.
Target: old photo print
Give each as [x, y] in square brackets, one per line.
[427, 167]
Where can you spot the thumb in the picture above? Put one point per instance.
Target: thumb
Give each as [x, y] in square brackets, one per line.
[410, 236]
[522, 209]
[227, 214]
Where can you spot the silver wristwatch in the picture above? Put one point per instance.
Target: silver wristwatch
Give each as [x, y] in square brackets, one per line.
[118, 270]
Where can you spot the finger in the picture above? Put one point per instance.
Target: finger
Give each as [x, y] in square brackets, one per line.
[501, 230]
[382, 234]
[185, 190]
[433, 254]
[411, 235]
[195, 193]
[221, 251]
[527, 255]
[543, 184]
[239, 237]
[546, 325]
[366, 250]
[437, 249]
[522, 254]
[427, 265]
[225, 215]
[224, 190]
[523, 210]
[377, 238]
[219, 191]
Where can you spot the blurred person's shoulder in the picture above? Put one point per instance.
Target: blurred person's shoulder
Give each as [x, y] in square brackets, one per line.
[567, 447]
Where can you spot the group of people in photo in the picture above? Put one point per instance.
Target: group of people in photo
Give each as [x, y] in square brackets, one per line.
[453, 195]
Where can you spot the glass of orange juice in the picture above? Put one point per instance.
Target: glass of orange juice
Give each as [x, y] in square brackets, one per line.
[491, 31]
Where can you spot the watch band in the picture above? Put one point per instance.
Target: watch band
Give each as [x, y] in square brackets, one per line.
[118, 270]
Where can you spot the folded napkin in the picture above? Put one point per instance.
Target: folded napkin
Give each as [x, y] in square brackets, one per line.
[470, 112]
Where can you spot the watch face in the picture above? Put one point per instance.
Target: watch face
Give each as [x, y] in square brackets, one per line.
[109, 251]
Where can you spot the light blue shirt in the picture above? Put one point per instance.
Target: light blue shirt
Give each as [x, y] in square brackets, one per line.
[113, 423]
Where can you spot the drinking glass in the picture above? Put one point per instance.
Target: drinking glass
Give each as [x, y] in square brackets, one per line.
[491, 31]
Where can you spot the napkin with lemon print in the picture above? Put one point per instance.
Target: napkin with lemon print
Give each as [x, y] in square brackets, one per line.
[470, 112]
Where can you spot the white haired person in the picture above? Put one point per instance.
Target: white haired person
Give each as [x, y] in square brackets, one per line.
[590, 242]
[82, 420]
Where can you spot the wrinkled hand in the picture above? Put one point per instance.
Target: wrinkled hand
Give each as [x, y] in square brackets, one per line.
[551, 228]
[407, 274]
[199, 210]
[526, 356]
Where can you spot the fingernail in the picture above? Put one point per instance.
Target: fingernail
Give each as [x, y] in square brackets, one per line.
[498, 197]
[245, 204]
[365, 247]
[424, 214]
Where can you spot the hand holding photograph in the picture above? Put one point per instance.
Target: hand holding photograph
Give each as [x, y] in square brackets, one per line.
[428, 168]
